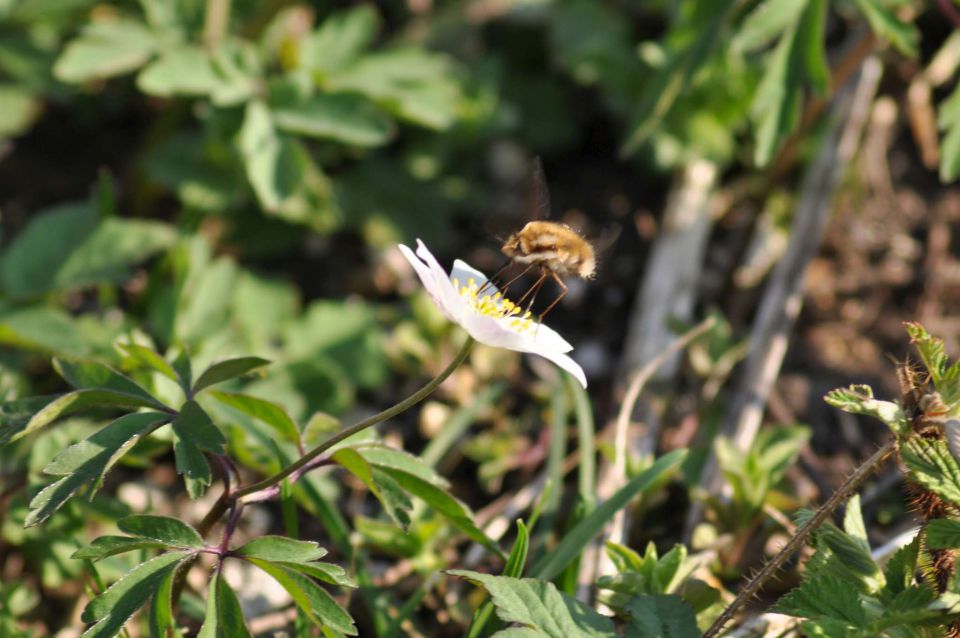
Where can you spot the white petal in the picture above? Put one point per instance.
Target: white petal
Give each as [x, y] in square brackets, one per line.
[464, 272]
[566, 363]
[428, 280]
[548, 338]
[449, 296]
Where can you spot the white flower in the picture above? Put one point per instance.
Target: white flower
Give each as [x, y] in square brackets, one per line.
[467, 299]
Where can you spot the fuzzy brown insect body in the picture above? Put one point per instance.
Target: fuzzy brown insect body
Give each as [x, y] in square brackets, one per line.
[556, 249]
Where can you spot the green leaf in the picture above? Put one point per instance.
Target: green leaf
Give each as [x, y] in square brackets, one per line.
[345, 118]
[661, 616]
[932, 466]
[410, 83]
[263, 410]
[943, 533]
[67, 404]
[327, 572]
[94, 375]
[390, 494]
[577, 538]
[42, 328]
[540, 606]
[900, 571]
[276, 165]
[226, 370]
[340, 39]
[105, 546]
[518, 554]
[111, 609]
[70, 246]
[163, 529]
[824, 597]
[706, 21]
[812, 40]
[224, 618]
[858, 399]
[281, 548]
[86, 463]
[104, 49]
[887, 25]
[948, 118]
[391, 458]
[444, 504]
[312, 599]
[195, 433]
[20, 109]
[148, 358]
[776, 105]
[162, 621]
[181, 70]
[767, 21]
[853, 559]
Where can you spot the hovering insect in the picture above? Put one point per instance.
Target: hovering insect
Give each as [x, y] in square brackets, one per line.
[555, 249]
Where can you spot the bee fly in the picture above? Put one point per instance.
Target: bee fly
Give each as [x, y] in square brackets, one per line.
[554, 249]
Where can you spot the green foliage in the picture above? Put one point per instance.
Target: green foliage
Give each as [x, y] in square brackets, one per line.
[933, 466]
[754, 475]
[539, 606]
[858, 399]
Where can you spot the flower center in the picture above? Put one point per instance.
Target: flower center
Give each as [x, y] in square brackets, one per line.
[494, 305]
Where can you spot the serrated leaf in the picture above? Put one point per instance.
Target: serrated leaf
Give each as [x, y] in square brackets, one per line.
[195, 433]
[931, 349]
[346, 118]
[889, 27]
[227, 369]
[312, 599]
[163, 529]
[94, 375]
[87, 462]
[661, 616]
[583, 532]
[853, 559]
[824, 597]
[932, 466]
[444, 504]
[263, 410]
[900, 571]
[858, 399]
[105, 546]
[281, 548]
[390, 494]
[104, 49]
[942, 533]
[538, 605]
[224, 618]
[111, 609]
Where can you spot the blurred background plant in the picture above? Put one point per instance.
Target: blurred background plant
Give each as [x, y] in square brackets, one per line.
[230, 178]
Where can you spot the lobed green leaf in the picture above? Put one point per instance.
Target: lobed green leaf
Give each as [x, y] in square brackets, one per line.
[226, 370]
[281, 548]
[312, 599]
[224, 617]
[263, 410]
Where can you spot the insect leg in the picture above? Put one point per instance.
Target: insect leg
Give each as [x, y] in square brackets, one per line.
[563, 293]
[534, 289]
[493, 279]
[507, 285]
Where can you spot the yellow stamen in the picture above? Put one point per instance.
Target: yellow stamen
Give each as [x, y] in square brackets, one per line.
[496, 305]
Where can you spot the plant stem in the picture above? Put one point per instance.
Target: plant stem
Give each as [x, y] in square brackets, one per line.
[798, 539]
[347, 432]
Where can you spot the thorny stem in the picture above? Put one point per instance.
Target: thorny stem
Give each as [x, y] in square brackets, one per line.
[798, 539]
